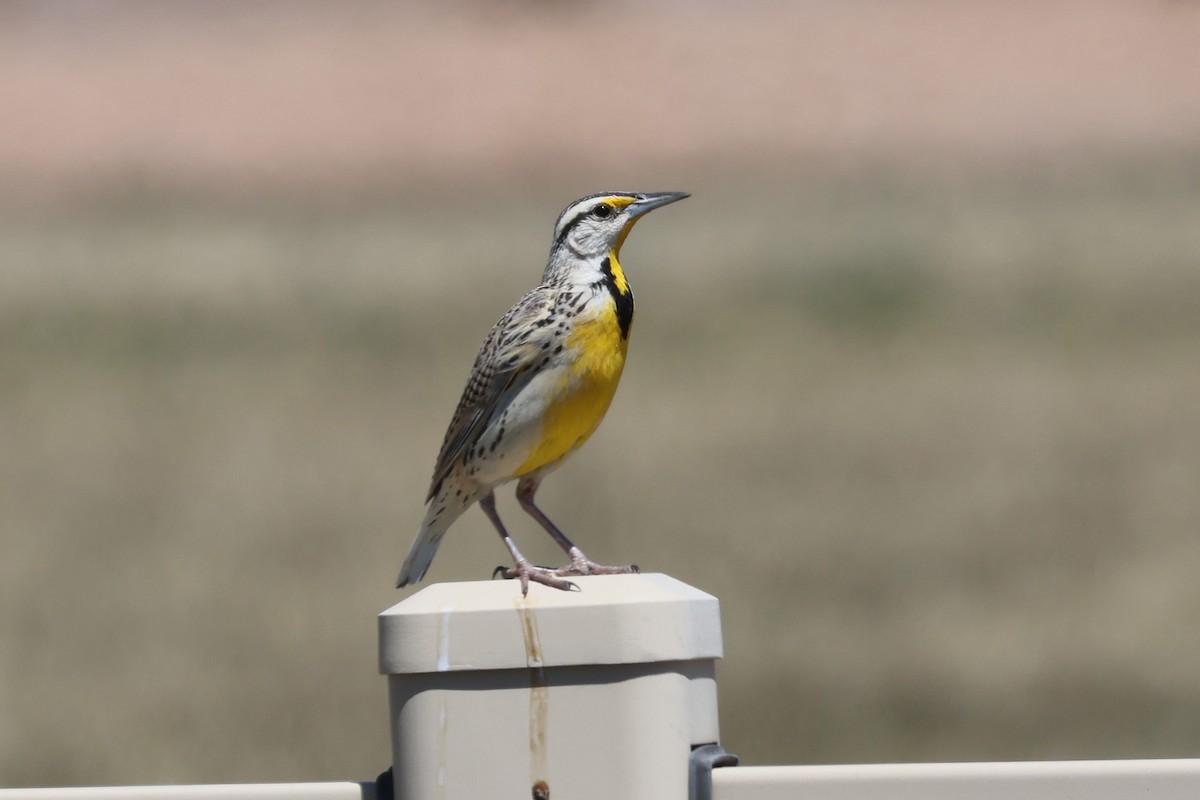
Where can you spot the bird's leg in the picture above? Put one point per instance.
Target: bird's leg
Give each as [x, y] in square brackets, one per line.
[522, 569]
[580, 564]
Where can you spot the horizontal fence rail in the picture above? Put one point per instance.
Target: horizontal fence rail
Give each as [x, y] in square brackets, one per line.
[1154, 779]
[220, 791]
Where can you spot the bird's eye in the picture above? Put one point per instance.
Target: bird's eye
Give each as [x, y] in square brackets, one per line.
[602, 211]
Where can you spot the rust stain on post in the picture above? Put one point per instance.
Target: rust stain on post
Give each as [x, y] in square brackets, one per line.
[539, 696]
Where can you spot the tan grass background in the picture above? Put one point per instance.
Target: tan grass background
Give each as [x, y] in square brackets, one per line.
[912, 389]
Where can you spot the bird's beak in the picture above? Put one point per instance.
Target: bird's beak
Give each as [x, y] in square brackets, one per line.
[652, 200]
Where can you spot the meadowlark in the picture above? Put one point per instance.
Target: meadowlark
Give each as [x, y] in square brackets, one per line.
[541, 383]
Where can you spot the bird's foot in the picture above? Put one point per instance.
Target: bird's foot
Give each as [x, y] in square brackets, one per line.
[582, 565]
[526, 572]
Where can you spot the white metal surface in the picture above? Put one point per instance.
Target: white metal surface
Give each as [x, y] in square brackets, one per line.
[1168, 779]
[613, 619]
[598, 694]
[232, 791]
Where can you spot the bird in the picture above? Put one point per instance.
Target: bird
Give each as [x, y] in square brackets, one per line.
[539, 387]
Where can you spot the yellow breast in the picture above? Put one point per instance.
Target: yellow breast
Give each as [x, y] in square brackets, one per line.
[586, 388]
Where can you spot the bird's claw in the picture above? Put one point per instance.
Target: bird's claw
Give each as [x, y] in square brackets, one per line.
[556, 578]
[582, 566]
[526, 572]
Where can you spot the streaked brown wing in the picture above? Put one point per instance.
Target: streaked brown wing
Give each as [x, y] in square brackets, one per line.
[503, 366]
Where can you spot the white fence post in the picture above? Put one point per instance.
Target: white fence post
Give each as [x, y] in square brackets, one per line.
[600, 693]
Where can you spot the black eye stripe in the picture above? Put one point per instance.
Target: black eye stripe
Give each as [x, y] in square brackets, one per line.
[580, 217]
[570, 225]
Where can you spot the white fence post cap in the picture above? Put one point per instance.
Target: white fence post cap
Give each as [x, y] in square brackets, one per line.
[487, 625]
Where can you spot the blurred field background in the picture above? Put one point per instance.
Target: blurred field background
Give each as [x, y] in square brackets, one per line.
[913, 387]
